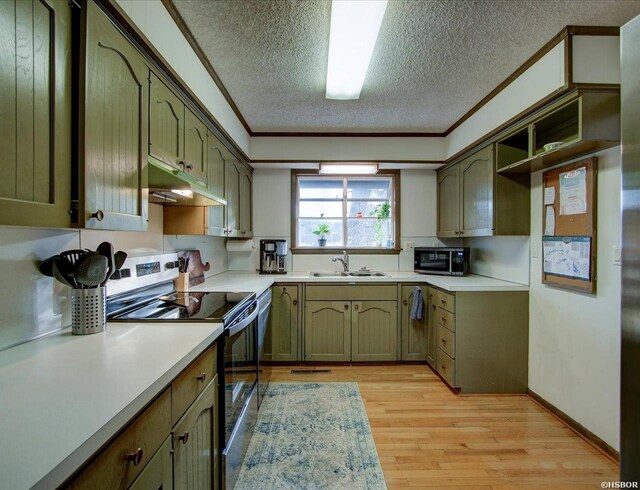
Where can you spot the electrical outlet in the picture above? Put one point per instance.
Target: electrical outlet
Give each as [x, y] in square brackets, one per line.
[409, 246]
[617, 255]
[534, 250]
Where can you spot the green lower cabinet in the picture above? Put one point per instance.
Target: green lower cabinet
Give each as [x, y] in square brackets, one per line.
[281, 343]
[414, 332]
[432, 328]
[328, 331]
[159, 471]
[374, 330]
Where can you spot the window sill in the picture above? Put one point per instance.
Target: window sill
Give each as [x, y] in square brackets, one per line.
[338, 251]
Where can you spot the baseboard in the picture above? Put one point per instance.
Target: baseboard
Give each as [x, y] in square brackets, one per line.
[578, 428]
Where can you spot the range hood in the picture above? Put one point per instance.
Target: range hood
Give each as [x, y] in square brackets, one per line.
[172, 187]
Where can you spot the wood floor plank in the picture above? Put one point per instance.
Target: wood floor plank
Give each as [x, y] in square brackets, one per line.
[428, 437]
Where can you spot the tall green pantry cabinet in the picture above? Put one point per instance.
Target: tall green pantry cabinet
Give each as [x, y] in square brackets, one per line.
[35, 112]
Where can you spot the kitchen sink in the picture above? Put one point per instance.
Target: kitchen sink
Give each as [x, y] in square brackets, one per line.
[347, 274]
[328, 274]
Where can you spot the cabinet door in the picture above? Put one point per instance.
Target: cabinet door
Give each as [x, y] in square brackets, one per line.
[35, 112]
[166, 123]
[476, 193]
[414, 332]
[195, 147]
[432, 335]
[374, 331]
[216, 161]
[283, 323]
[195, 443]
[158, 474]
[232, 195]
[448, 202]
[245, 202]
[327, 331]
[116, 129]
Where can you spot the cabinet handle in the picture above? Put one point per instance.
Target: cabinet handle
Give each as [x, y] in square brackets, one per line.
[405, 302]
[443, 301]
[184, 437]
[202, 377]
[189, 167]
[355, 307]
[444, 319]
[295, 302]
[442, 367]
[99, 215]
[444, 341]
[136, 458]
[346, 307]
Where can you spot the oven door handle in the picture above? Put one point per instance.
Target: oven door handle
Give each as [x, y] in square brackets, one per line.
[243, 324]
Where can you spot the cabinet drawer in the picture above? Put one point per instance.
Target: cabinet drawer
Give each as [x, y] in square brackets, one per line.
[446, 367]
[446, 319]
[193, 380]
[447, 301]
[157, 474]
[353, 292]
[123, 460]
[447, 341]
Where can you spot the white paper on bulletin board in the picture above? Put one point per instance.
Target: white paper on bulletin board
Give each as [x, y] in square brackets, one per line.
[567, 256]
[573, 191]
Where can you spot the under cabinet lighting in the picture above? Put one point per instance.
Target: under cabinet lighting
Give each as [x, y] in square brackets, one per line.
[183, 192]
[354, 169]
[354, 29]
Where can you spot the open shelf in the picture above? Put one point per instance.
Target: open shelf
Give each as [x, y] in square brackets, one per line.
[512, 149]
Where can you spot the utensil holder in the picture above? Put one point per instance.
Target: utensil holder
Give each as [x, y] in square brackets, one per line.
[182, 282]
[88, 310]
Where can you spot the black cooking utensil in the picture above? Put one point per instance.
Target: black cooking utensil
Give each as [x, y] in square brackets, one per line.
[45, 267]
[74, 256]
[62, 278]
[106, 249]
[92, 270]
[119, 259]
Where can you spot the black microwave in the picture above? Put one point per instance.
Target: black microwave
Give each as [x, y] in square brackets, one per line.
[441, 260]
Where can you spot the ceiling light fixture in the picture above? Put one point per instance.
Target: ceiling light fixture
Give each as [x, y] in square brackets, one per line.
[349, 169]
[354, 29]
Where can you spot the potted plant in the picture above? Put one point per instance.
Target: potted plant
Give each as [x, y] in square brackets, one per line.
[381, 212]
[322, 230]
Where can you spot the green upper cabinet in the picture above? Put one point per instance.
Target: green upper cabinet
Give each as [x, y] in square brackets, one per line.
[114, 138]
[374, 330]
[35, 112]
[166, 123]
[216, 162]
[449, 202]
[246, 184]
[327, 331]
[232, 195]
[476, 193]
[414, 332]
[195, 147]
[283, 323]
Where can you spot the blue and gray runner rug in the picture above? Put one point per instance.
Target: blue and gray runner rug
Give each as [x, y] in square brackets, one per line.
[312, 436]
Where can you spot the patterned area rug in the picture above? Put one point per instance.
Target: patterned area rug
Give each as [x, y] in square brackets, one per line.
[311, 436]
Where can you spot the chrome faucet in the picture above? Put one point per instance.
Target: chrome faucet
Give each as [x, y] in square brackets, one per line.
[344, 260]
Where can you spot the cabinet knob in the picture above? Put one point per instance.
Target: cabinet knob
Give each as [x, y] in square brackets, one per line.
[346, 307]
[442, 367]
[99, 215]
[189, 166]
[295, 302]
[444, 341]
[405, 302]
[443, 301]
[355, 307]
[136, 458]
[184, 437]
[202, 377]
[444, 319]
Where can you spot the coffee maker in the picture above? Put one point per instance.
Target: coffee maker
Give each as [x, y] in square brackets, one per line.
[273, 254]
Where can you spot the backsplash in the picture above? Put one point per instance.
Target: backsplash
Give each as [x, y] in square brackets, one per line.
[503, 257]
[33, 305]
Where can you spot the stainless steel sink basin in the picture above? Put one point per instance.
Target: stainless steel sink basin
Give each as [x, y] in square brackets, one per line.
[328, 274]
[368, 274]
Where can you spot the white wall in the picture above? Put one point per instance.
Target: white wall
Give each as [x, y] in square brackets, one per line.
[34, 305]
[503, 257]
[152, 18]
[574, 339]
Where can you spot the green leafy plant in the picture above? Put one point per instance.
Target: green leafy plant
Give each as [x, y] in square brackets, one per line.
[382, 212]
[322, 230]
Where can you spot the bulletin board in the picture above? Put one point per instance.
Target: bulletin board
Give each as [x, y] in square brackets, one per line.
[569, 226]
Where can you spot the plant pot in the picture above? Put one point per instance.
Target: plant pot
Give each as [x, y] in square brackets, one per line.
[322, 242]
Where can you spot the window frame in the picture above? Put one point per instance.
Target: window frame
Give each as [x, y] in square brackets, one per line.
[395, 214]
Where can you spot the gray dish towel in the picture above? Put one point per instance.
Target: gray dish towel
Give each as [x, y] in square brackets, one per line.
[417, 304]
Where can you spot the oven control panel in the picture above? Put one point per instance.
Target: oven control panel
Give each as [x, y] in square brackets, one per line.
[144, 271]
[148, 268]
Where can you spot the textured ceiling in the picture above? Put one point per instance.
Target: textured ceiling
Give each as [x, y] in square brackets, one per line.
[433, 61]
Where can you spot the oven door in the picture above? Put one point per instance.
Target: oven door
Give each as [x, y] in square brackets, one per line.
[240, 392]
[432, 261]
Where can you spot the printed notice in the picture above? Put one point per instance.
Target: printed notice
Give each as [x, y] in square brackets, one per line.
[567, 256]
[549, 221]
[573, 191]
[549, 195]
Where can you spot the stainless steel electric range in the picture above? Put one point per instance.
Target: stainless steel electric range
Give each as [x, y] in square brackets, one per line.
[145, 293]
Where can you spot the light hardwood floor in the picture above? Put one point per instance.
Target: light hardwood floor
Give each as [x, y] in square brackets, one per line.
[428, 437]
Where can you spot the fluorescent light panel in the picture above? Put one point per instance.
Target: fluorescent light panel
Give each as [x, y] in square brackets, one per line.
[349, 169]
[354, 29]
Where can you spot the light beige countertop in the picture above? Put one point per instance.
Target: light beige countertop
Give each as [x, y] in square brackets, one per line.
[236, 281]
[64, 396]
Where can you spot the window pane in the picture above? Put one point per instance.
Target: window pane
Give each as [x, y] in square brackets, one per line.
[306, 238]
[320, 188]
[369, 233]
[368, 188]
[313, 209]
[368, 209]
